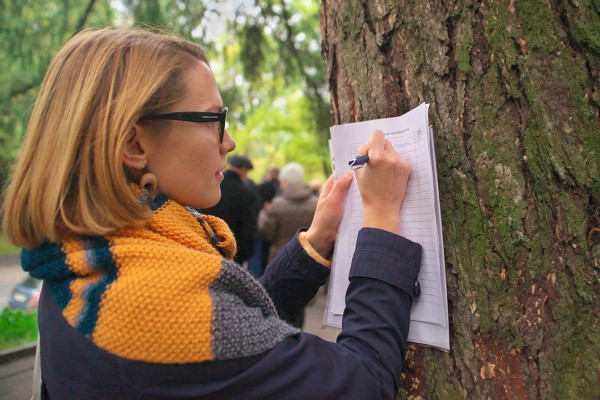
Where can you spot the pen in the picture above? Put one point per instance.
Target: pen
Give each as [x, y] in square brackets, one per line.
[359, 161]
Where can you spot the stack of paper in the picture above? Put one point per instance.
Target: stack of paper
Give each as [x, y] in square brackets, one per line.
[411, 136]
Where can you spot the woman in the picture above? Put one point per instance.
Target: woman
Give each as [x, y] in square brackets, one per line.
[141, 299]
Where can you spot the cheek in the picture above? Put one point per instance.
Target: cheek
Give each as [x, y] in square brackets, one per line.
[187, 170]
[199, 166]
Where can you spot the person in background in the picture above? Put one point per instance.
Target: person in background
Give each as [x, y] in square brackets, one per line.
[269, 187]
[252, 188]
[291, 210]
[254, 261]
[237, 206]
[315, 186]
[141, 297]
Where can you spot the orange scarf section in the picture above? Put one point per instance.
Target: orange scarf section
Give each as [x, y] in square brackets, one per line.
[159, 308]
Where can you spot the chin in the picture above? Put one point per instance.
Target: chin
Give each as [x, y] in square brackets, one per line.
[207, 203]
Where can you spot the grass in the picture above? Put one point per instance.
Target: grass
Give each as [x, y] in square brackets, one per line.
[6, 247]
[17, 328]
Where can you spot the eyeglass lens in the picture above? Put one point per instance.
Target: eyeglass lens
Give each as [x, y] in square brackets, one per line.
[222, 125]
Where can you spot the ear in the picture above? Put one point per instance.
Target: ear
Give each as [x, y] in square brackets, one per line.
[134, 155]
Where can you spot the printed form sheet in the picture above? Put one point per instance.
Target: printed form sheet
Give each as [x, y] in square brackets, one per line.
[420, 221]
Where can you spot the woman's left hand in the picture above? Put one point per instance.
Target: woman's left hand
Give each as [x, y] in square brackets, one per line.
[323, 229]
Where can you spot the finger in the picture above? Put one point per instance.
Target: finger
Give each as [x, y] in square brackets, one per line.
[338, 191]
[376, 145]
[388, 146]
[327, 186]
[390, 153]
[377, 140]
[363, 149]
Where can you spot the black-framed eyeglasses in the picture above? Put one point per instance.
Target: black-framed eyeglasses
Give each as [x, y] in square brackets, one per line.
[191, 116]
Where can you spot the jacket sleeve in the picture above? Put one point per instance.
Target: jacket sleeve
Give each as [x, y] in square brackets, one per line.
[292, 279]
[368, 357]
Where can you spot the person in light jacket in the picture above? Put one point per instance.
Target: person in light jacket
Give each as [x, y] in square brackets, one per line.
[141, 297]
[291, 210]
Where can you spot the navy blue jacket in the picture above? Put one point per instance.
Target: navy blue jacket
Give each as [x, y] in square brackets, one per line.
[365, 363]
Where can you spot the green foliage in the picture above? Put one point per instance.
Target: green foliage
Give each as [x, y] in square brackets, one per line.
[252, 51]
[17, 328]
[183, 17]
[275, 81]
[32, 32]
[275, 133]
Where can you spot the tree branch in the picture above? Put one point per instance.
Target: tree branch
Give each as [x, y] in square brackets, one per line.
[84, 17]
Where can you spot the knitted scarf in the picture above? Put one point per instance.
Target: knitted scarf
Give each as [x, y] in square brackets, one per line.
[165, 293]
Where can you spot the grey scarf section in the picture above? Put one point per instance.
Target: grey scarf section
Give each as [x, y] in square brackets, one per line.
[245, 321]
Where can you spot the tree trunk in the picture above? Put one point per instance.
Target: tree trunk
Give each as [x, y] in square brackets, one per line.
[514, 94]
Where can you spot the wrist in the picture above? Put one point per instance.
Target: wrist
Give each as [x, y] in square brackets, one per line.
[321, 243]
[384, 221]
[311, 251]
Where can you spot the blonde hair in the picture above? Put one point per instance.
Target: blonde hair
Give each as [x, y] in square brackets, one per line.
[69, 177]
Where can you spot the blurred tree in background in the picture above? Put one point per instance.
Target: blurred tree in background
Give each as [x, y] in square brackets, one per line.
[31, 33]
[265, 54]
[286, 101]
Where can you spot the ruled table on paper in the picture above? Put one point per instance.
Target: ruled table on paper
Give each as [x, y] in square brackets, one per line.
[419, 219]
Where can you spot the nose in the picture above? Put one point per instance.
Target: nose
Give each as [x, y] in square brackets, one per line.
[228, 144]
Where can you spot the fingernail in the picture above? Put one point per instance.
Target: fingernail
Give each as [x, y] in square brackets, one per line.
[348, 174]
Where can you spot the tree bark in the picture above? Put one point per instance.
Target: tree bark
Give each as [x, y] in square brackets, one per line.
[514, 94]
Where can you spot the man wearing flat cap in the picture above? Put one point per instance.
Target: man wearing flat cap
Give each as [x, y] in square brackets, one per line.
[237, 206]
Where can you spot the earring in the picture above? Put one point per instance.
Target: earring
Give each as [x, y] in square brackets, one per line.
[149, 185]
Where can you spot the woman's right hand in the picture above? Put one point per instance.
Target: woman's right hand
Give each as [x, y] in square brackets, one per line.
[382, 184]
